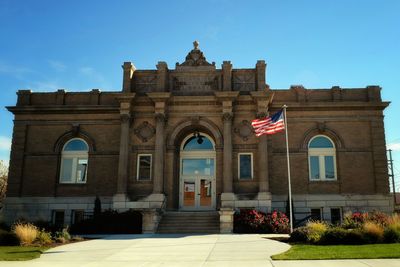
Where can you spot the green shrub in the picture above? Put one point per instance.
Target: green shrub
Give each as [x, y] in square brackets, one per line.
[316, 230]
[64, 234]
[26, 232]
[354, 237]
[334, 236]
[299, 234]
[391, 234]
[8, 238]
[44, 238]
[373, 232]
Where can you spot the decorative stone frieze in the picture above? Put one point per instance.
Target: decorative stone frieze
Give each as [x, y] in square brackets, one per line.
[145, 131]
[244, 130]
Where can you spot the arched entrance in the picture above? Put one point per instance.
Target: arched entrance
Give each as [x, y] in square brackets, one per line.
[197, 173]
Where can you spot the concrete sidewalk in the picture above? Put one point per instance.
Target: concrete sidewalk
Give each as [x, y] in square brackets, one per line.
[180, 250]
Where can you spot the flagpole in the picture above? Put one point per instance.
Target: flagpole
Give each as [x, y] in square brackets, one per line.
[288, 170]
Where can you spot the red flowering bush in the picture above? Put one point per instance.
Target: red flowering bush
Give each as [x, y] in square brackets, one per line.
[357, 219]
[277, 222]
[249, 221]
[253, 221]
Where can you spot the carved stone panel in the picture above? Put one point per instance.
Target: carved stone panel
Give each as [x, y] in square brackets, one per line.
[244, 130]
[145, 83]
[244, 81]
[145, 131]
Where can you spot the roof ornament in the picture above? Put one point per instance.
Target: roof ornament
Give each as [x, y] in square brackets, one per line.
[195, 57]
[196, 45]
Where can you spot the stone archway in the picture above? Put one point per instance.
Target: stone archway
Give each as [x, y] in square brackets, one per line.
[175, 138]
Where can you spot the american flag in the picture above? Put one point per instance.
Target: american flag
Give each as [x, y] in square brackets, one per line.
[269, 125]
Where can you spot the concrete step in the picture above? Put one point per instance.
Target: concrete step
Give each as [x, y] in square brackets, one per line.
[189, 222]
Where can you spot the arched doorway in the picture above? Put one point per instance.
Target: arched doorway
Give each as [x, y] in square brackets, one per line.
[197, 173]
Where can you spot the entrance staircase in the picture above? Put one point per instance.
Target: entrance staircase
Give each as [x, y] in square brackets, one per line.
[185, 222]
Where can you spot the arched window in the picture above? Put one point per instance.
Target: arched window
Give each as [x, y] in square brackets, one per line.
[322, 158]
[198, 141]
[74, 162]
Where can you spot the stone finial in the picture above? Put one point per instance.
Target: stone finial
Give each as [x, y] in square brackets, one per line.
[196, 44]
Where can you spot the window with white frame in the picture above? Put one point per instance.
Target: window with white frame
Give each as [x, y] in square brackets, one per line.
[322, 159]
[245, 166]
[74, 162]
[144, 167]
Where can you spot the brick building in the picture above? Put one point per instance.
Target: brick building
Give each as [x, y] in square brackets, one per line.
[180, 140]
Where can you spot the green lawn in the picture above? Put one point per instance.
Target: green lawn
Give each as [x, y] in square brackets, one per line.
[312, 252]
[16, 253]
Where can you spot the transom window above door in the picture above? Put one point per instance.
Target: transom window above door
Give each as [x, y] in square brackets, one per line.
[198, 141]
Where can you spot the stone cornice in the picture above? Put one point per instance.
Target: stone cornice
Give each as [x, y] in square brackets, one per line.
[312, 106]
[57, 109]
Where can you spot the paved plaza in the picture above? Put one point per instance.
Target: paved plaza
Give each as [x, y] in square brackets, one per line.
[180, 250]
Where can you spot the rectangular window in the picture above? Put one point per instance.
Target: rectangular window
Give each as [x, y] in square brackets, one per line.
[66, 170]
[314, 167]
[77, 216]
[336, 215]
[200, 166]
[144, 167]
[329, 167]
[58, 218]
[245, 163]
[81, 170]
[316, 214]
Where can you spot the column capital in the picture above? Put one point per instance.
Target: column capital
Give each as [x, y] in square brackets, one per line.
[160, 117]
[262, 99]
[227, 116]
[125, 118]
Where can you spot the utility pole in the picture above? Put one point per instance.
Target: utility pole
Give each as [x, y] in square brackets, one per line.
[392, 176]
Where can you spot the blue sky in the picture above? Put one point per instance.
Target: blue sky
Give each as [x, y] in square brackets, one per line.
[80, 45]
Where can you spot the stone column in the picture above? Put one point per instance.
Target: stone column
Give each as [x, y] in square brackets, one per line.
[227, 169]
[227, 98]
[158, 178]
[262, 155]
[262, 100]
[160, 105]
[125, 115]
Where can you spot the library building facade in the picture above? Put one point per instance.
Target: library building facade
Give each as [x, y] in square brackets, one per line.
[180, 140]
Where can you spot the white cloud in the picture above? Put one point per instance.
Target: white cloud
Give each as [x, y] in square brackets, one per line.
[87, 71]
[15, 71]
[5, 143]
[95, 77]
[394, 146]
[57, 65]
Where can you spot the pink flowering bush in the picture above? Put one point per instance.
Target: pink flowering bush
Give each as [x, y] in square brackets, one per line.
[277, 222]
[253, 221]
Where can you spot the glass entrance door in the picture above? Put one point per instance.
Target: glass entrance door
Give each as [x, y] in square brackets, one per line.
[197, 190]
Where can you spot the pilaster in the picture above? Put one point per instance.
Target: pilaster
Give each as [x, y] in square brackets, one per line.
[160, 105]
[129, 69]
[227, 99]
[126, 118]
[262, 100]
